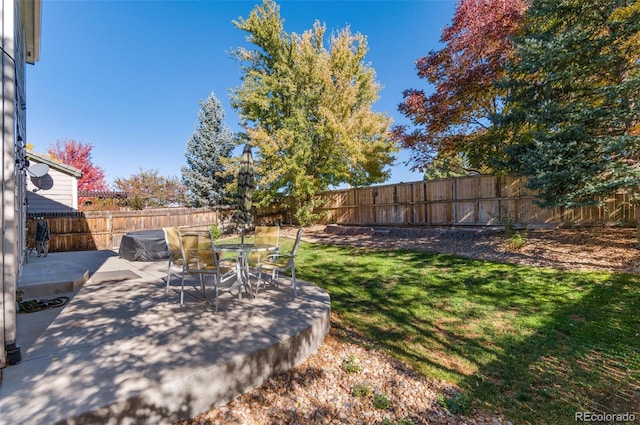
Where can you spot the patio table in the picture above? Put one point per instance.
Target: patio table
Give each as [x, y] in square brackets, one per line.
[242, 262]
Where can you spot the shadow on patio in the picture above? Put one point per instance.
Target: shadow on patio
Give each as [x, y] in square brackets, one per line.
[122, 349]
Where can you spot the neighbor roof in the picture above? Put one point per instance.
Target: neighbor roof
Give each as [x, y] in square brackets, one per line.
[67, 169]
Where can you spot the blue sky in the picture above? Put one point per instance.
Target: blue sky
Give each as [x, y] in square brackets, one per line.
[127, 76]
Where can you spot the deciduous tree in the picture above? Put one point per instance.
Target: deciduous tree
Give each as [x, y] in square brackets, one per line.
[148, 189]
[308, 109]
[78, 155]
[455, 117]
[205, 175]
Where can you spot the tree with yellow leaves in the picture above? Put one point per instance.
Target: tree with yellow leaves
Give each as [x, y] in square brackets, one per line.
[307, 108]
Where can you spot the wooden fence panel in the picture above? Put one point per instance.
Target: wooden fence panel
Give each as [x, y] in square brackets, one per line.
[439, 202]
[417, 193]
[389, 205]
[104, 229]
[370, 198]
[475, 200]
[352, 212]
[619, 209]
[478, 201]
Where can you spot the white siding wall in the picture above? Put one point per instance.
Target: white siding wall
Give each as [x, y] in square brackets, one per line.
[55, 192]
[9, 14]
[13, 126]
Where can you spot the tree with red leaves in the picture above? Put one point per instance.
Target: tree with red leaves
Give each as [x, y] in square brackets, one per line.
[455, 117]
[78, 155]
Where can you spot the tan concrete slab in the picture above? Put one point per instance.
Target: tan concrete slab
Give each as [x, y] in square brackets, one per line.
[59, 272]
[123, 351]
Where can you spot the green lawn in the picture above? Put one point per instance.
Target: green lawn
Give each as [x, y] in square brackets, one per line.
[536, 344]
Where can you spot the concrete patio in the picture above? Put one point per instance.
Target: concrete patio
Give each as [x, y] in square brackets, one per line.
[121, 351]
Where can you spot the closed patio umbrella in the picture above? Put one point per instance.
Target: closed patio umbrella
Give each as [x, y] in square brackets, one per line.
[246, 185]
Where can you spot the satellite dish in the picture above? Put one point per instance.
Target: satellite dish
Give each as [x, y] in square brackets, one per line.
[38, 170]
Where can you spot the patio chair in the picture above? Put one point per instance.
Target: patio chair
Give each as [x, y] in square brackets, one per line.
[172, 238]
[268, 235]
[279, 262]
[199, 257]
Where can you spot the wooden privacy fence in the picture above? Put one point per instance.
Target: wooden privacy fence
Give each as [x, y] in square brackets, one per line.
[91, 230]
[475, 200]
[464, 201]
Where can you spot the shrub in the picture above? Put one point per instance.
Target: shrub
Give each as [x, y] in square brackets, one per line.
[381, 401]
[361, 390]
[516, 241]
[215, 231]
[351, 364]
[456, 404]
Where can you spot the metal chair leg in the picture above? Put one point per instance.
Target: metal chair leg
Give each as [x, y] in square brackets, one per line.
[182, 292]
[295, 286]
[166, 289]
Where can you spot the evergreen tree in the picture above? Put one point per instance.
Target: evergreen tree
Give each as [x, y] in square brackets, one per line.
[445, 167]
[205, 175]
[572, 115]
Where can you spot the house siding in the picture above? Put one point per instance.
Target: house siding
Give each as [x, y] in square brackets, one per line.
[56, 191]
[9, 14]
[15, 28]
[53, 193]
